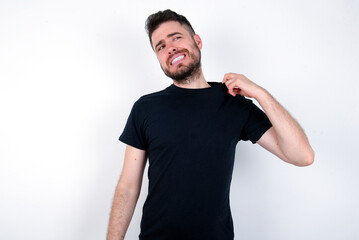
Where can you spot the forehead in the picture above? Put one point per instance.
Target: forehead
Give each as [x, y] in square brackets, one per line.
[167, 28]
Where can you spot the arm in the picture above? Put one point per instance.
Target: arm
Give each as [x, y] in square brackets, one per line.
[286, 139]
[127, 193]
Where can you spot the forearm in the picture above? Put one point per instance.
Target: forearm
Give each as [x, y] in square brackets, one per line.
[123, 206]
[291, 137]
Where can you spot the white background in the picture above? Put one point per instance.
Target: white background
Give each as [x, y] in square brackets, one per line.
[70, 72]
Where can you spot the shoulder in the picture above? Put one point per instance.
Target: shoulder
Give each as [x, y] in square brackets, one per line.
[149, 100]
[239, 101]
[153, 96]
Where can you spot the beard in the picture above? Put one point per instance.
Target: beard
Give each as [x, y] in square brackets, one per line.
[186, 72]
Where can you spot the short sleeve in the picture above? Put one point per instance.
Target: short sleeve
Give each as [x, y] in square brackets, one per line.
[133, 133]
[256, 125]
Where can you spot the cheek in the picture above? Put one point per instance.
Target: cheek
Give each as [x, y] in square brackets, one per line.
[162, 60]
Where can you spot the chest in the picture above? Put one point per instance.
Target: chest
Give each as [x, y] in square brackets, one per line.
[193, 126]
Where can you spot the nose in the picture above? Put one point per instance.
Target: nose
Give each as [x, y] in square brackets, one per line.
[171, 50]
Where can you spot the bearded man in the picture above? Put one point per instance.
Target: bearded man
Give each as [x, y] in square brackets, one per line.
[189, 132]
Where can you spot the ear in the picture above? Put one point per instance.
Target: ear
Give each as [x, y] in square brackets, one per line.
[198, 41]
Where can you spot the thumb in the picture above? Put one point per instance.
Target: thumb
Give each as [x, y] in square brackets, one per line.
[227, 77]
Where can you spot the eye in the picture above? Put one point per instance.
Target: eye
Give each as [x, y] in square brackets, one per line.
[176, 38]
[160, 48]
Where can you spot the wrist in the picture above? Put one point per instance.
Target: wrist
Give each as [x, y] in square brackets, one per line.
[261, 94]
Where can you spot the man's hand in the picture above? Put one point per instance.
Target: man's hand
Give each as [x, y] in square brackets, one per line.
[286, 139]
[240, 84]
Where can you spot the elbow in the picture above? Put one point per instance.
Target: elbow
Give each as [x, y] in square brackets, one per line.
[306, 160]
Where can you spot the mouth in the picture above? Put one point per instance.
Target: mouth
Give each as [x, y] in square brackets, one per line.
[177, 58]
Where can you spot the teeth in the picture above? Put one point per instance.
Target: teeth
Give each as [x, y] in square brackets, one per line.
[177, 59]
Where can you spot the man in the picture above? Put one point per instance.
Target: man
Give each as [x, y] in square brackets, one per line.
[189, 132]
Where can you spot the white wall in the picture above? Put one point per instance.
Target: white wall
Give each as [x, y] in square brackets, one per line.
[71, 70]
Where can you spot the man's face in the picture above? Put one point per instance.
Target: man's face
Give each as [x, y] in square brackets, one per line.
[177, 51]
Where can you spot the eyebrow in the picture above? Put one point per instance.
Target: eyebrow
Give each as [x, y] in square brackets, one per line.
[168, 36]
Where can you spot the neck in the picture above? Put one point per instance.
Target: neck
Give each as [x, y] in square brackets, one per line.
[195, 81]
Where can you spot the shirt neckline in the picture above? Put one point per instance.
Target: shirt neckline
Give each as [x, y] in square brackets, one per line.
[214, 87]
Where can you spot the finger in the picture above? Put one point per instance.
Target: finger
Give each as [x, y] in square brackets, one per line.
[236, 89]
[233, 88]
[227, 77]
[231, 84]
[232, 91]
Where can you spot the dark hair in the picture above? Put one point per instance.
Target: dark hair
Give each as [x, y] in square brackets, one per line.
[155, 20]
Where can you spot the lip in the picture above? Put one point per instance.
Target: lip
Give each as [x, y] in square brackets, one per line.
[175, 56]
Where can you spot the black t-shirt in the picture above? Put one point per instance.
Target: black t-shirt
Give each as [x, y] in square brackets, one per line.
[190, 136]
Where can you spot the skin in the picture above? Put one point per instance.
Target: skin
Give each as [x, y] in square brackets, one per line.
[166, 44]
[286, 139]
[127, 192]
